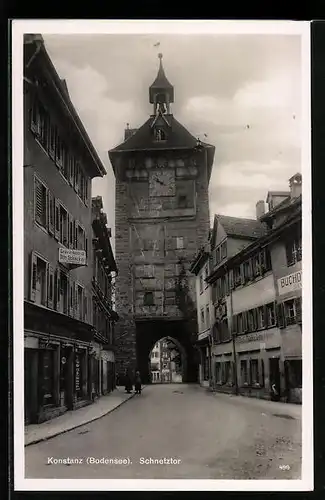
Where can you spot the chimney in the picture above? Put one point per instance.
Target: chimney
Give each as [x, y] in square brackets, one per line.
[295, 185]
[260, 209]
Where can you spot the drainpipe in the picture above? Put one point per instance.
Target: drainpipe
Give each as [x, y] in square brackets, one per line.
[233, 342]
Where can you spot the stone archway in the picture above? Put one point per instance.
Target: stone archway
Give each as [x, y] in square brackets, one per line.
[181, 351]
[150, 332]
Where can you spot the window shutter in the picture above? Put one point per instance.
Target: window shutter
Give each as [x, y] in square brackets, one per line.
[234, 324]
[71, 297]
[33, 277]
[52, 141]
[76, 302]
[50, 211]
[50, 287]
[245, 322]
[85, 306]
[255, 322]
[38, 201]
[57, 220]
[280, 316]
[242, 274]
[57, 290]
[85, 244]
[298, 309]
[34, 118]
[231, 279]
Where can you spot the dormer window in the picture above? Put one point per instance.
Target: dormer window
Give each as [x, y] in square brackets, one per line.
[160, 134]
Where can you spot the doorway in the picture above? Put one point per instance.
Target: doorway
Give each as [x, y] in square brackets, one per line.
[274, 364]
[64, 376]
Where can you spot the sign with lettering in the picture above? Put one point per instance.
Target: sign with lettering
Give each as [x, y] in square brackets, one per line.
[290, 283]
[77, 371]
[69, 256]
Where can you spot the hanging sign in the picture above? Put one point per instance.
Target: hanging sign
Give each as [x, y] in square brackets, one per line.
[69, 256]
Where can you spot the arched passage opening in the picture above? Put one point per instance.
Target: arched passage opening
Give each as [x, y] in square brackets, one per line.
[167, 362]
[148, 333]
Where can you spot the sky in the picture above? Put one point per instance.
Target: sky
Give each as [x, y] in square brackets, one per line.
[242, 91]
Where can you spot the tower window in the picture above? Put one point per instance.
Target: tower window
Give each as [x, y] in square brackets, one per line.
[148, 299]
[160, 134]
[182, 201]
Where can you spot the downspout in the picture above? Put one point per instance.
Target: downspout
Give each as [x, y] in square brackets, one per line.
[233, 342]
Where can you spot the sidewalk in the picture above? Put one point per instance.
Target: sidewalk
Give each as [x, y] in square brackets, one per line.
[264, 405]
[35, 433]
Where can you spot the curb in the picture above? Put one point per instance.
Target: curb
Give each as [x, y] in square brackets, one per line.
[46, 438]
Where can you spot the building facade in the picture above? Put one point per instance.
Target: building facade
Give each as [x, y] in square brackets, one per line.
[255, 335]
[59, 164]
[104, 317]
[162, 215]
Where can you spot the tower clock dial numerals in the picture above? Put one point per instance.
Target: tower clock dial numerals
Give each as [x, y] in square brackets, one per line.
[162, 183]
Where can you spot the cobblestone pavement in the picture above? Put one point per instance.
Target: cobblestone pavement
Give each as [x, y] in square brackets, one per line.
[210, 436]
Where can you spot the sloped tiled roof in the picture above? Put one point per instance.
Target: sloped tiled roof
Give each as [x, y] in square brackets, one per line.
[237, 226]
[178, 137]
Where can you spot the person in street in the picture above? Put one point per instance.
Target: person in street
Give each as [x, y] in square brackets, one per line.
[137, 384]
[275, 396]
[128, 382]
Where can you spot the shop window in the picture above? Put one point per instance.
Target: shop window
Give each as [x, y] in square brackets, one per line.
[243, 372]
[39, 276]
[270, 314]
[254, 374]
[218, 373]
[228, 373]
[40, 202]
[148, 299]
[293, 370]
[47, 379]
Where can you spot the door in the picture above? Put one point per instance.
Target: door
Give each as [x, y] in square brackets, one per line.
[275, 374]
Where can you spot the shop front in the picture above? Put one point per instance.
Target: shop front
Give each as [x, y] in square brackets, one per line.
[55, 364]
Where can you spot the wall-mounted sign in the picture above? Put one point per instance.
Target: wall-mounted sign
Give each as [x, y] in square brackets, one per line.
[290, 283]
[69, 256]
[77, 379]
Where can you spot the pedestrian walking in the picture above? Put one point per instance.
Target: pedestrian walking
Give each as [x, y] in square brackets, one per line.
[275, 396]
[137, 384]
[128, 382]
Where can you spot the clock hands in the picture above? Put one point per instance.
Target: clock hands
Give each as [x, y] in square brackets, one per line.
[160, 182]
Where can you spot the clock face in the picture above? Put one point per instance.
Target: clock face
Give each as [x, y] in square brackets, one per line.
[162, 183]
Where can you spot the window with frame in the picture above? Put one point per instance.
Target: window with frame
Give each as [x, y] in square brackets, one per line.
[243, 372]
[223, 250]
[148, 299]
[254, 373]
[228, 373]
[64, 227]
[40, 202]
[170, 297]
[39, 276]
[237, 276]
[148, 270]
[202, 318]
[201, 283]
[251, 320]
[179, 242]
[62, 300]
[247, 270]
[294, 248]
[218, 373]
[290, 312]
[270, 314]
[261, 323]
[207, 317]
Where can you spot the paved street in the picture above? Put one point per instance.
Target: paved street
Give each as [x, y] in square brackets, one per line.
[212, 436]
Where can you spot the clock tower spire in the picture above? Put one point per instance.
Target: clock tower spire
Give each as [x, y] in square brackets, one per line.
[161, 92]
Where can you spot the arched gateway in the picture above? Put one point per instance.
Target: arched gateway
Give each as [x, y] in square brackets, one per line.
[162, 218]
